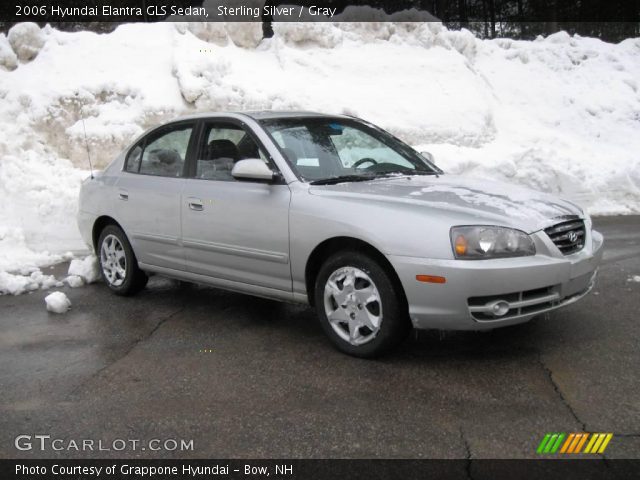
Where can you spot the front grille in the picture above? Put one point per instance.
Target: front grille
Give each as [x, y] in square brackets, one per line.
[568, 236]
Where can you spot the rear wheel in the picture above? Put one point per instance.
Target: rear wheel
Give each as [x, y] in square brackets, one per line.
[118, 263]
[359, 306]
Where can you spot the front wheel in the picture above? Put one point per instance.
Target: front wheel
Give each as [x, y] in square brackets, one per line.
[118, 263]
[360, 308]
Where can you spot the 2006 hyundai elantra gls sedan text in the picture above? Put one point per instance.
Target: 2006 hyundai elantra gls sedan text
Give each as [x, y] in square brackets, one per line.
[337, 213]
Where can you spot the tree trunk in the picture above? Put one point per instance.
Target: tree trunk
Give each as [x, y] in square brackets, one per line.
[462, 10]
[485, 23]
[492, 16]
[441, 10]
[551, 26]
[520, 21]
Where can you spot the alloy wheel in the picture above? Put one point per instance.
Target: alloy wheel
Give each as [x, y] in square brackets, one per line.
[113, 260]
[353, 305]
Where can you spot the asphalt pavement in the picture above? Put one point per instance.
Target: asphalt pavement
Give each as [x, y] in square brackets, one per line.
[244, 377]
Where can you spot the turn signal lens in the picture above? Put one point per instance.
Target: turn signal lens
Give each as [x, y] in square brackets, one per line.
[461, 245]
[431, 279]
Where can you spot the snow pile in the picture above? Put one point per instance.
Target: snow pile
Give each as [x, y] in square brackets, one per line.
[560, 114]
[57, 302]
[19, 263]
[87, 270]
[24, 281]
[634, 278]
[74, 281]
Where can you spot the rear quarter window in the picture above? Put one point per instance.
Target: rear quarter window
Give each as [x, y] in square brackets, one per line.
[162, 153]
[133, 160]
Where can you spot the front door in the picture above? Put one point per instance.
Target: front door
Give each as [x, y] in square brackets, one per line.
[234, 230]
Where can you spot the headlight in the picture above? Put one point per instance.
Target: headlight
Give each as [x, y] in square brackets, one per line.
[480, 242]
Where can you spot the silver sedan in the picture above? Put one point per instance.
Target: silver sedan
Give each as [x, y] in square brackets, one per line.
[334, 212]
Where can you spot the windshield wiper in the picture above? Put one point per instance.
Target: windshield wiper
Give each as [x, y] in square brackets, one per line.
[403, 173]
[370, 176]
[342, 178]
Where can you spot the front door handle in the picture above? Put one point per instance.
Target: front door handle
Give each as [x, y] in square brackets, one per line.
[123, 195]
[195, 204]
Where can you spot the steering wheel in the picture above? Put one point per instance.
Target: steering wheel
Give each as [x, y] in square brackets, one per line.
[364, 160]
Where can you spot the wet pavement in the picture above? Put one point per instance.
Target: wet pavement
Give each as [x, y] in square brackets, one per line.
[250, 378]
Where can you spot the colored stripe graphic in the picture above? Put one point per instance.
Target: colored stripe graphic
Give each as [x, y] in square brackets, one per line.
[573, 443]
[594, 437]
[543, 443]
[550, 443]
[598, 442]
[565, 447]
[581, 443]
[596, 446]
[555, 447]
[606, 441]
[576, 439]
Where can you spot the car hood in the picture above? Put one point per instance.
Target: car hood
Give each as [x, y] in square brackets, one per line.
[502, 203]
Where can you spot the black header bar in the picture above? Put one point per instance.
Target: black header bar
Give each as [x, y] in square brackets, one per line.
[460, 12]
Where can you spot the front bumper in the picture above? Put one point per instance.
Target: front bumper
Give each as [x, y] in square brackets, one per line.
[524, 286]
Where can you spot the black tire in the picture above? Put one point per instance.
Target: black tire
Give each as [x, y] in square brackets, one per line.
[395, 324]
[134, 279]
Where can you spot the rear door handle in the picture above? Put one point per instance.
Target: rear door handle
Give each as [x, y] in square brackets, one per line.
[123, 195]
[195, 204]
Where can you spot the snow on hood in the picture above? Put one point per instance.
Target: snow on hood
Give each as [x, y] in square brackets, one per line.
[515, 206]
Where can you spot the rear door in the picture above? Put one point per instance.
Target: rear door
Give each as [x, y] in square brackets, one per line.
[234, 230]
[149, 194]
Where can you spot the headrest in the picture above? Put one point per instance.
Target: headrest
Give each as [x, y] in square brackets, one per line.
[222, 148]
[166, 156]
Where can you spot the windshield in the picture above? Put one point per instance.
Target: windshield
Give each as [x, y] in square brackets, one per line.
[326, 149]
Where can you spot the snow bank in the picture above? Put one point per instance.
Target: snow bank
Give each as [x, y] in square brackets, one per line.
[57, 302]
[8, 58]
[560, 114]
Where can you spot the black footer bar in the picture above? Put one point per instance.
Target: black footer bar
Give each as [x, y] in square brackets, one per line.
[118, 469]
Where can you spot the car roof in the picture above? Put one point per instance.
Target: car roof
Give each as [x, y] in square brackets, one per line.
[269, 114]
[263, 114]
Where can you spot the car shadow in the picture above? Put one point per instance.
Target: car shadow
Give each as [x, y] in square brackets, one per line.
[290, 321]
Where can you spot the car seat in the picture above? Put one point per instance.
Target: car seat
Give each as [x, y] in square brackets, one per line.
[219, 158]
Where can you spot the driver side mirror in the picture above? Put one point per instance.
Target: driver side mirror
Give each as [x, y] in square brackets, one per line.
[252, 169]
[429, 156]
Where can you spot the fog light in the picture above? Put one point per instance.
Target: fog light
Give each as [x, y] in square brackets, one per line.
[500, 308]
